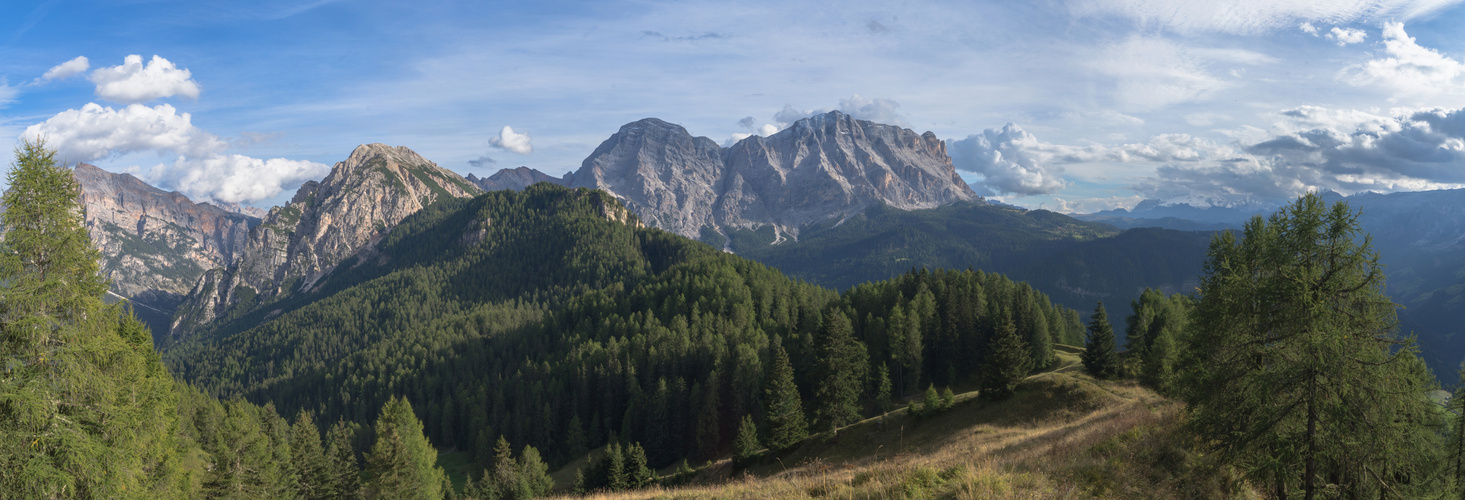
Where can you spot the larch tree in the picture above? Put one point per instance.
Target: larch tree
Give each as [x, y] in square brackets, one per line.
[1294, 372]
[86, 407]
[402, 464]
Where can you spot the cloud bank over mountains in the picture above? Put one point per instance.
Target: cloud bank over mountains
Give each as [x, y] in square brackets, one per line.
[201, 167]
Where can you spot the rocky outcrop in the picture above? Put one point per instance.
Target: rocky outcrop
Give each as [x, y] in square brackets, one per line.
[326, 222]
[155, 244]
[517, 179]
[826, 166]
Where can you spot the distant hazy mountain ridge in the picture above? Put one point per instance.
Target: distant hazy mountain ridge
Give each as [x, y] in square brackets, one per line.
[823, 167]
[296, 244]
[516, 179]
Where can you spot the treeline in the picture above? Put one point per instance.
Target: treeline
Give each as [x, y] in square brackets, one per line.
[545, 324]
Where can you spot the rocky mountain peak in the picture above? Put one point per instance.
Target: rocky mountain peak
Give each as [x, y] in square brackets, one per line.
[155, 244]
[517, 179]
[825, 166]
[325, 222]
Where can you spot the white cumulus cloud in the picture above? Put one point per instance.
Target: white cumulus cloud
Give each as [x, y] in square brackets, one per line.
[67, 69]
[235, 178]
[512, 141]
[200, 168]
[1345, 36]
[95, 132]
[1001, 157]
[134, 82]
[1407, 66]
[1314, 148]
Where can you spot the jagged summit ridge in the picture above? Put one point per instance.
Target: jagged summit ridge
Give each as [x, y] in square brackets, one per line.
[356, 204]
[826, 166]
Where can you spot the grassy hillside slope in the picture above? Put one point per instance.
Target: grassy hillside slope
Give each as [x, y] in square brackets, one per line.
[1062, 435]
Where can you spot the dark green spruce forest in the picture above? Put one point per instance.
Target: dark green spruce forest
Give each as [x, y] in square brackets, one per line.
[528, 331]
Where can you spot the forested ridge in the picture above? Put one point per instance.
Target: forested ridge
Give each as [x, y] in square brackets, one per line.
[531, 316]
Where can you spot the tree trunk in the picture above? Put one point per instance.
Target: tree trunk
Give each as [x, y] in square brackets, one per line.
[1310, 474]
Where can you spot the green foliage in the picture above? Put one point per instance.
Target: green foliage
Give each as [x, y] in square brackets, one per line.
[402, 464]
[1099, 356]
[1294, 373]
[882, 388]
[1007, 362]
[746, 446]
[343, 469]
[1154, 333]
[786, 425]
[931, 403]
[838, 373]
[307, 458]
[529, 315]
[86, 408]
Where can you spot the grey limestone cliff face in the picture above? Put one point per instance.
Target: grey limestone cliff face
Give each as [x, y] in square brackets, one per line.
[155, 244]
[326, 222]
[826, 166]
[516, 179]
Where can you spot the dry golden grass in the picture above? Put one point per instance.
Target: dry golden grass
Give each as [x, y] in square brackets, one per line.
[1063, 435]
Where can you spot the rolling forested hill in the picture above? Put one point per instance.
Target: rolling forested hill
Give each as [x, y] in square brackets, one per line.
[551, 317]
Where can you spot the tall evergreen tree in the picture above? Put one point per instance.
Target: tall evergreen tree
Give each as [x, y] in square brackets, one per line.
[1099, 357]
[838, 373]
[307, 458]
[746, 445]
[534, 473]
[786, 425]
[1294, 373]
[86, 409]
[1008, 360]
[342, 478]
[402, 463]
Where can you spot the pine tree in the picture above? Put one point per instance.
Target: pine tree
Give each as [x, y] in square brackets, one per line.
[343, 471]
[402, 463]
[786, 425]
[616, 478]
[87, 406]
[1008, 360]
[838, 373]
[307, 459]
[746, 445]
[1099, 357]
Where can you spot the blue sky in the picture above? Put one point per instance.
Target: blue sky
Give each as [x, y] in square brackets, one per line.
[1072, 106]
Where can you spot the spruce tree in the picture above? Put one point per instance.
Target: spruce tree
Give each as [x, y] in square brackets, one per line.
[505, 471]
[1099, 357]
[1008, 360]
[838, 373]
[638, 472]
[307, 459]
[402, 463]
[786, 425]
[746, 445]
[882, 389]
[343, 470]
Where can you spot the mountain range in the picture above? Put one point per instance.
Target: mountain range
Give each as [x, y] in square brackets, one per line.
[833, 200]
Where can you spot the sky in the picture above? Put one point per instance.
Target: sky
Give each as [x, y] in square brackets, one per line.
[1074, 106]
